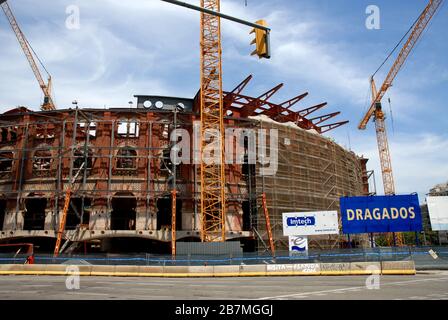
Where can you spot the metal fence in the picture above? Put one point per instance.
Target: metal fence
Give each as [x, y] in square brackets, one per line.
[423, 259]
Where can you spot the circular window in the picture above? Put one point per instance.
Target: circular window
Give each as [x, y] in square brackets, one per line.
[147, 104]
[159, 104]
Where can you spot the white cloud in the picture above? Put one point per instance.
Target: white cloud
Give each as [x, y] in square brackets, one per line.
[419, 160]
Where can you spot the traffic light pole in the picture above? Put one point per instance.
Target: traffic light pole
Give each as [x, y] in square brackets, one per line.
[219, 14]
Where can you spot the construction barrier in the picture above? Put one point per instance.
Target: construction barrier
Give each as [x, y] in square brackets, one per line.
[226, 271]
[198, 271]
[398, 267]
[334, 269]
[365, 268]
[310, 269]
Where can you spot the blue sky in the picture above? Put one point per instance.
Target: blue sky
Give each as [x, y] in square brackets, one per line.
[323, 47]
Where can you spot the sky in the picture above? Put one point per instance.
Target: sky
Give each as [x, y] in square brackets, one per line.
[323, 47]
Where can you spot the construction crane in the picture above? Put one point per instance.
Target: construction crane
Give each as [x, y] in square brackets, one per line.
[375, 109]
[46, 88]
[212, 174]
[68, 195]
[212, 171]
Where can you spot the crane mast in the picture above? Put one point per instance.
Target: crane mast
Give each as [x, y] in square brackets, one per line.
[212, 171]
[375, 109]
[48, 103]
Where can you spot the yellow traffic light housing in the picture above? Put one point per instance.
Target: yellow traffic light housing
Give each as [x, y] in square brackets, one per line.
[261, 41]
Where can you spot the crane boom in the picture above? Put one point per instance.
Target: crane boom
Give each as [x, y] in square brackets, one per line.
[46, 88]
[416, 33]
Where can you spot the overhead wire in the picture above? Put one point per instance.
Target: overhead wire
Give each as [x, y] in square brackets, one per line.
[395, 48]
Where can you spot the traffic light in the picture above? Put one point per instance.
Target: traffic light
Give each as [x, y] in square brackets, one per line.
[261, 41]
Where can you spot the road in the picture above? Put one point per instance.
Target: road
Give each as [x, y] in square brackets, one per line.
[427, 286]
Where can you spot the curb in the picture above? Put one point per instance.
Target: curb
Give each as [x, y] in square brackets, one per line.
[315, 269]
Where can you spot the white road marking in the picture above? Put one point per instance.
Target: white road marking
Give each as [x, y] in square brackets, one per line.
[350, 288]
[38, 285]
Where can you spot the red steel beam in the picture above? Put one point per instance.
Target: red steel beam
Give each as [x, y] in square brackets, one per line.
[324, 117]
[310, 110]
[332, 126]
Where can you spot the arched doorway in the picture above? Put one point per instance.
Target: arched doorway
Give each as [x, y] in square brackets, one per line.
[164, 213]
[2, 212]
[35, 213]
[79, 207]
[123, 216]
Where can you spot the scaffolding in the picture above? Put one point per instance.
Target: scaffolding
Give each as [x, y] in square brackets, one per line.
[128, 168]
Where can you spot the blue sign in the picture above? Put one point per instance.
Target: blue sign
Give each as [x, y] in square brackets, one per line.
[381, 214]
[300, 221]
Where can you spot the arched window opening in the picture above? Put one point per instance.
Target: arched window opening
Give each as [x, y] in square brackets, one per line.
[42, 160]
[80, 157]
[127, 159]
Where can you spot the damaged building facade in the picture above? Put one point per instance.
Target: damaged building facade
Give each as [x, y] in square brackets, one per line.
[117, 164]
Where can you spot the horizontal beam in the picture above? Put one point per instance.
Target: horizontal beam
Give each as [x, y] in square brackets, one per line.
[218, 14]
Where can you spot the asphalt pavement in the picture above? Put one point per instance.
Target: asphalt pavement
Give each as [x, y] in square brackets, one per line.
[423, 286]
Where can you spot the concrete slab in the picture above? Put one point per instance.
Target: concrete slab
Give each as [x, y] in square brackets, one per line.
[252, 270]
[150, 271]
[175, 271]
[334, 269]
[279, 269]
[398, 267]
[57, 269]
[201, 271]
[365, 268]
[103, 270]
[226, 271]
[307, 269]
[7, 268]
[126, 271]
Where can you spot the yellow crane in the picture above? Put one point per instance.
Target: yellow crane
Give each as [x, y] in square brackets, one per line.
[48, 103]
[375, 109]
[212, 174]
[212, 171]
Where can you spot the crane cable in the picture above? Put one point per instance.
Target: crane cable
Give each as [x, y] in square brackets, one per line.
[35, 54]
[398, 44]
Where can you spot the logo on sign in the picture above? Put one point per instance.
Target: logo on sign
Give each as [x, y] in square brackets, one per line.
[299, 244]
[300, 221]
